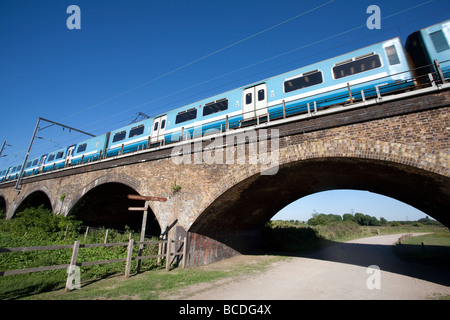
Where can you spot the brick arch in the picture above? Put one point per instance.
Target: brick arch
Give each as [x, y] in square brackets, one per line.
[22, 197]
[245, 200]
[230, 220]
[407, 156]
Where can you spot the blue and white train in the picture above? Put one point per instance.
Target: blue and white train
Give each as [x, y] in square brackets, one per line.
[383, 68]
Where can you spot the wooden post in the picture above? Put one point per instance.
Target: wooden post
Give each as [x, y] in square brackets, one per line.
[129, 255]
[160, 248]
[183, 263]
[65, 233]
[106, 235]
[141, 240]
[85, 234]
[73, 263]
[168, 254]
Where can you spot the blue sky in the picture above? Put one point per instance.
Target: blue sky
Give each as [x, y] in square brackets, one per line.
[148, 56]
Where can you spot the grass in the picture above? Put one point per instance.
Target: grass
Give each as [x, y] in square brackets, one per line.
[107, 282]
[432, 249]
[151, 285]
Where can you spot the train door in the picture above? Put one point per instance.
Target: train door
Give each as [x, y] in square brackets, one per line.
[69, 154]
[41, 164]
[158, 129]
[254, 102]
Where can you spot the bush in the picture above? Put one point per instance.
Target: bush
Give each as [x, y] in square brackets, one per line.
[320, 219]
[285, 237]
[38, 225]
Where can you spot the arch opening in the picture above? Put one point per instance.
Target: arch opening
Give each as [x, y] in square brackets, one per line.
[237, 217]
[2, 207]
[34, 200]
[349, 202]
[107, 206]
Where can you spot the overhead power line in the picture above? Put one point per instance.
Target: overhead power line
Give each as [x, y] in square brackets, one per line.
[198, 60]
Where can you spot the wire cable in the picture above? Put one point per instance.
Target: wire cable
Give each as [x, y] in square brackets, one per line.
[197, 60]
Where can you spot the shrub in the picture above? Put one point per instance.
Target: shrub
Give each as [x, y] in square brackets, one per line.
[39, 224]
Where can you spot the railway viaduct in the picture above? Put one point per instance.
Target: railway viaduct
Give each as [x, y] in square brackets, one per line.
[397, 147]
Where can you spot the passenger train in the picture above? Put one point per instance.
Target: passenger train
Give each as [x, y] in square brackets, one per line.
[383, 68]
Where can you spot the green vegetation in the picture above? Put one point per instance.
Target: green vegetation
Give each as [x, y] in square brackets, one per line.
[322, 229]
[433, 249]
[40, 227]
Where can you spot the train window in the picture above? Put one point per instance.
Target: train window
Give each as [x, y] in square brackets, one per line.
[358, 65]
[35, 162]
[155, 128]
[82, 147]
[306, 80]
[248, 98]
[261, 95]
[439, 41]
[392, 55]
[186, 116]
[163, 124]
[214, 107]
[51, 158]
[59, 155]
[136, 131]
[28, 164]
[119, 136]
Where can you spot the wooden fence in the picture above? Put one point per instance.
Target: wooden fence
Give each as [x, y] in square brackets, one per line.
[167, 249]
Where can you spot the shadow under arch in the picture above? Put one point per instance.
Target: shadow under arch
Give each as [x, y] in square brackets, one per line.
[236, 217]
[3, 206]
[106, 205]
[34, 199]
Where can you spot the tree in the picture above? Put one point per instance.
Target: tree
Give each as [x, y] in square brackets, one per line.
[348, 217]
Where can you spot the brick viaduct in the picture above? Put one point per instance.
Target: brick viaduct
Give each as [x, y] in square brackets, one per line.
[399, 148]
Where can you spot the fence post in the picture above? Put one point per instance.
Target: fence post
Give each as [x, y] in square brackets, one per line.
[168, 253]
[106, 235]
[160, 250]
[183, 263]
[129, 255]
[73, 263]
[85, 234]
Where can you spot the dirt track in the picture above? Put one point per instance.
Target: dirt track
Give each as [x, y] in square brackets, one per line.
[337, 272]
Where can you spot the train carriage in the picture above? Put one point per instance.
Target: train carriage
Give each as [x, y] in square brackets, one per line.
[130, 138]
[427, 45]
[55, 160]
[31, 167]
[87, 150]
[383, 65]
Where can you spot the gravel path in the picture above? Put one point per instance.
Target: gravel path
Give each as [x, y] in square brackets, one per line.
[337, 272]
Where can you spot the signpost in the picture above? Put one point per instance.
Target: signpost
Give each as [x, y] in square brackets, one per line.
[147, 199]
